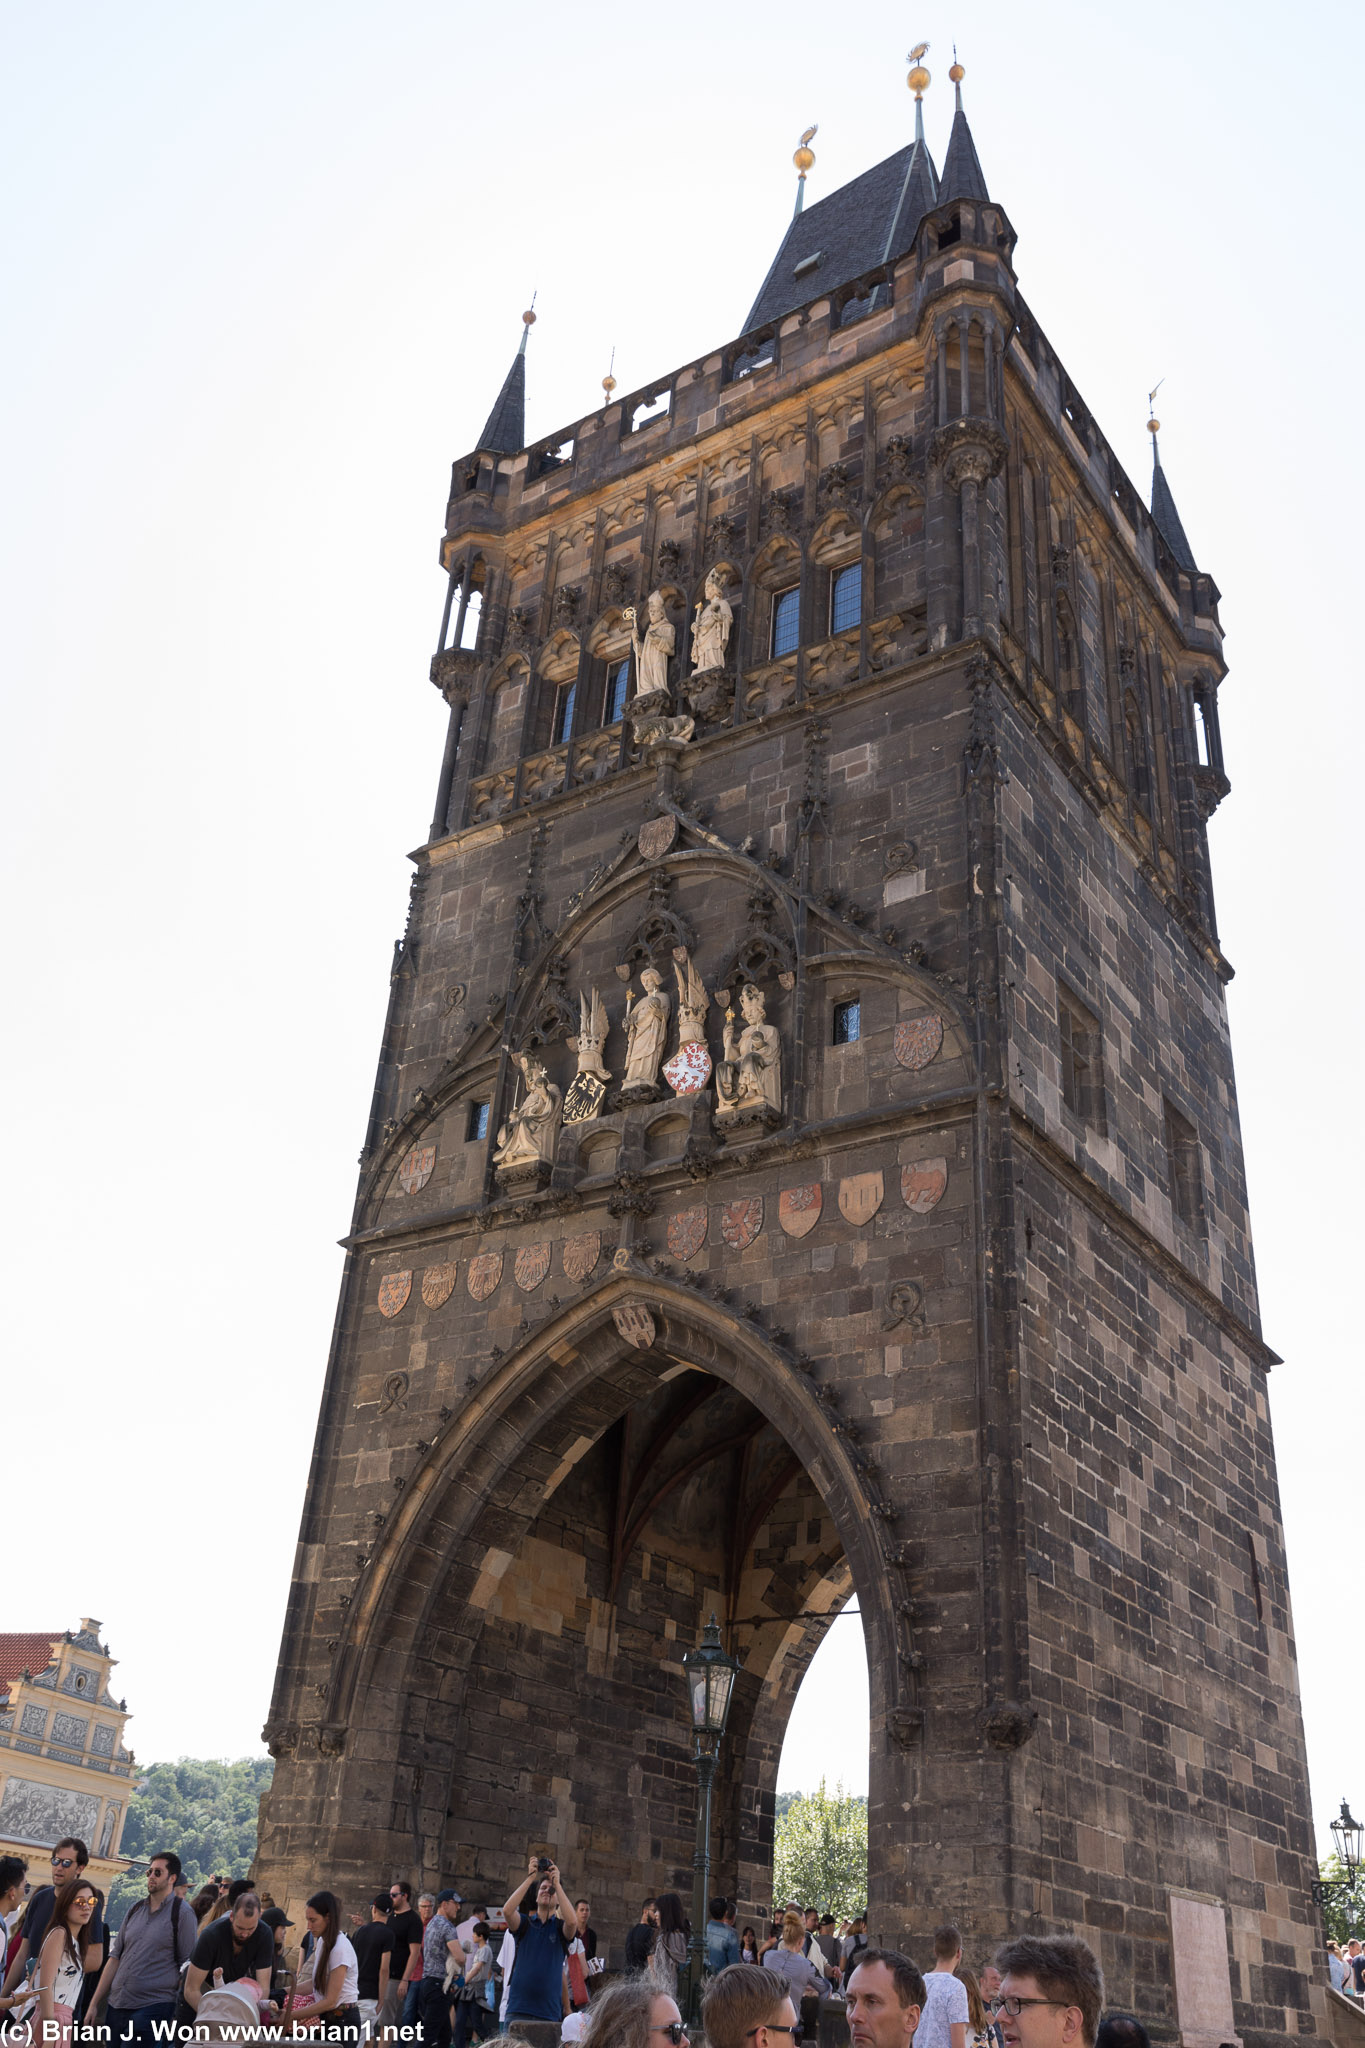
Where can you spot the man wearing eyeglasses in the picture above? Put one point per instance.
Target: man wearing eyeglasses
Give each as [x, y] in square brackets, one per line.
[1051, 1992]
[884, 1999]
[69, 1859]
[747, 2008]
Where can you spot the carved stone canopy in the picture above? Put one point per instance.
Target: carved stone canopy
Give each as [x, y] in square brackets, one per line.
[762, 953]
[660, 931]
[968, 451]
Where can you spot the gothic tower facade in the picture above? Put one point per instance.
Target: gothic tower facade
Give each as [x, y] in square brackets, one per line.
[804, 1163]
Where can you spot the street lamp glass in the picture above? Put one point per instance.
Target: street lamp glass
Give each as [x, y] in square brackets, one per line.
[1349, 1836]
[710, 1680]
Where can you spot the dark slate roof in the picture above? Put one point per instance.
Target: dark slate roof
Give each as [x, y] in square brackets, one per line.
[1165, 517]
[962, 178]
[870, 220]
[505, 433]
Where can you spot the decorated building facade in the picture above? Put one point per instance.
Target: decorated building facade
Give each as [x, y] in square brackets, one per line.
[804, 1161]
[63, 1767]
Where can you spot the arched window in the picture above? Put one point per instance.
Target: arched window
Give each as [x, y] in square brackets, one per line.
[786, 621]
[846, 598]
[564, 704]
[469, 619]
[618, 684]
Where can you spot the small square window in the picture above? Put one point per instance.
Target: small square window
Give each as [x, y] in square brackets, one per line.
[1082, 1049]
[1182, 1161]
[786, 621]
[846, 598]
[848, 1022]
[477, 1126]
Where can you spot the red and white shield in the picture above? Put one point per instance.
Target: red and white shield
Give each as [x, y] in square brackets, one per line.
[438, 1283]
[580, 1255]
[923, 1184]
[917, 1042]
[415, 1171]
[635, 1324]
[740, 1222]
[484, 1274]
[798, 1209]
[394, 1290]
[531, 1265]
[686, 1232]
[688, 1070]
[860, 1196]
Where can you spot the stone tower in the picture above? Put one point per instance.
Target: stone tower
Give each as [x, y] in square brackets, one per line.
[804, 1161]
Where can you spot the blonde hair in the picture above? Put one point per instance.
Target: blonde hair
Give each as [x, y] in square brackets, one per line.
[793, 1928]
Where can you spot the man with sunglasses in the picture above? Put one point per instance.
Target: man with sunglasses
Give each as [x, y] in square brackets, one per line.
[69, 1859]
[1051, 1992]
[746, 2008]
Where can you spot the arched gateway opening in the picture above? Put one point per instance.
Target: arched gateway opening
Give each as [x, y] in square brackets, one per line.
[511, 1677]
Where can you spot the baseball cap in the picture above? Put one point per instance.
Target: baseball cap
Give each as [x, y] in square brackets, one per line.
[445, 1898]
[274, 1916]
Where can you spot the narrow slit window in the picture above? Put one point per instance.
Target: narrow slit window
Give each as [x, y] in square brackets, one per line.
[848, 1021]
[564, 704]
[477, 1126]
[1182, 1161]
[846, 598]
[469, 624]
[1082, 1060]
[1201, 733]
[618, 684]
[786, 621]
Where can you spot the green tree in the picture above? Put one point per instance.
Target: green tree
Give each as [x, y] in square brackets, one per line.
[204, 1809]
[820, 1851]
[1344, 1914]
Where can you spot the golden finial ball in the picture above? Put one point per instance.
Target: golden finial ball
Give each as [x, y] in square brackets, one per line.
[528, 318]
[1154, 425]
[918, 80]
[957, 74]
[608, 384]
[803, 159]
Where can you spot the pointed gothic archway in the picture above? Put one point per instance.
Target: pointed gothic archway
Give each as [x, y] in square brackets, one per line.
[510, 1673]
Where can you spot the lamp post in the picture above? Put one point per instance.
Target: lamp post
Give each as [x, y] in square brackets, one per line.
[710, 1675]
[1349, 1836]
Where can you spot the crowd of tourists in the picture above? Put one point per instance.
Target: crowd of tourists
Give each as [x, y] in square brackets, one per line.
[229, 1964]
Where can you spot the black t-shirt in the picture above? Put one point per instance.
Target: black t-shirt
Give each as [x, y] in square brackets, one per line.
[371, 1945]
[216, 1950]
[406, 1928]
[38, 1919]
[589, 1940]
[639, 1945]
[1357, 1968]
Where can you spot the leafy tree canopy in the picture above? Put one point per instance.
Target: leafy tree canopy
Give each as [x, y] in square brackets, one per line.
[1343, 1915]
[820, 1851]
[201, 1807]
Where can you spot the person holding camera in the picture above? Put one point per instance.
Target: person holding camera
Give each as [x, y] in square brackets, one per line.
[542, 1936]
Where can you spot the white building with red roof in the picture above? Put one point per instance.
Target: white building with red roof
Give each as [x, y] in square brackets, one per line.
[63, 1767]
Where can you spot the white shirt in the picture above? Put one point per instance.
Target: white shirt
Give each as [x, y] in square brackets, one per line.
[945, 2001]
[343, 1953]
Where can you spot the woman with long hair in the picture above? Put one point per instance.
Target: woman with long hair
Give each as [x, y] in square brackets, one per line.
[978, 2025]
[748, 1946]
[204, 1903]
[61, 1960]
[633, 2013]
[670, 1950]
[334, 1974]
[788, 1962]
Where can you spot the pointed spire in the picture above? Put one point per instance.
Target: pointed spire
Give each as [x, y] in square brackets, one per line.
[1164, 515]
[919, 191]
[505, 430]
[962, 176]
[803, 158]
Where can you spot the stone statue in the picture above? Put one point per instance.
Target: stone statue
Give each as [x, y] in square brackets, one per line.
[526, 1141]
[646, 1036]
[655, 650]
[111, 1814]
[589, 1084]
[749, 1077]
[711, 627]
[690, 1067]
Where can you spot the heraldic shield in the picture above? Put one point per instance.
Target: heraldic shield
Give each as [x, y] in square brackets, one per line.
[438, 1283]
[415, 1171]
[686, 1233]
[394, 1290]
[688, 1070]
[740, 1222]
[860, 1196]
[635, 1324]
[484, 1274]
[532, 1264]
[917, 1042]
[923, 1184]
[798, 1209]
[583, 1099]
[580, 1255]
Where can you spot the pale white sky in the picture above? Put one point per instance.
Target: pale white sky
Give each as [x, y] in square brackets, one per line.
[264, 268]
